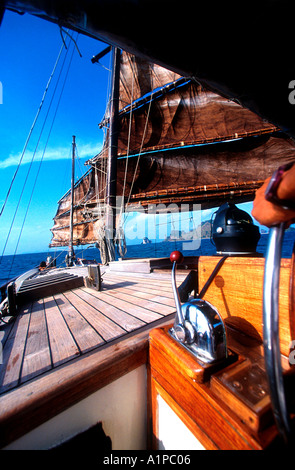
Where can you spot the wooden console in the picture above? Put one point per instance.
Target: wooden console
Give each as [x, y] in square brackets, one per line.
[222, 406]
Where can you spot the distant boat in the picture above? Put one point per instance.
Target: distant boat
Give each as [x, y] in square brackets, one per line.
[146, 241]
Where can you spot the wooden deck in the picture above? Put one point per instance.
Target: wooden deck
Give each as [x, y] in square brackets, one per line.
[62, 340]
[61, 349]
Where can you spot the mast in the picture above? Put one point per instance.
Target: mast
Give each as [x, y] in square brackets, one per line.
[71, 254]
[111, 189]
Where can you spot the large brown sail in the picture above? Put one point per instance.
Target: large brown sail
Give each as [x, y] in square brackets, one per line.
[168, 111]
[86, 222]
[178, 143]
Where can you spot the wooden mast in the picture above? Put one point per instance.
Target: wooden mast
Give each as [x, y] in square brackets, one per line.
[111, 189]
[71, 254]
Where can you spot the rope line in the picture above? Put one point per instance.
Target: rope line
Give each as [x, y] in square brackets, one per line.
[45, 148]
[32, 128]
[38, 141]
[141, 147]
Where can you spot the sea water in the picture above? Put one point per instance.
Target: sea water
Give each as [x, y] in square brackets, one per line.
[13, 266]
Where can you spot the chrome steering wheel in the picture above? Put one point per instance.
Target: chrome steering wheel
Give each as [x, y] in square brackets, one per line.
[271, 339]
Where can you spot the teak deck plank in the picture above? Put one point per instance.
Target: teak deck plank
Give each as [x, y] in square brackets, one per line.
[62, 345]
[141, 290]
[85, 336]
[50, 335]
[13, 352]
[24, 408]
[152, 296]
[59, 328]
[146, 280]
[37, 358]
[124, 294]
[125, 320]
[103, 325]
[130, 306]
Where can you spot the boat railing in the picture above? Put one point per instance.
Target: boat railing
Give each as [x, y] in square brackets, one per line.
[20, 279]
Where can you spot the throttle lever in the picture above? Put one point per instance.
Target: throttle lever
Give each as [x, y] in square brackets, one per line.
[198, 325]
[176, 257]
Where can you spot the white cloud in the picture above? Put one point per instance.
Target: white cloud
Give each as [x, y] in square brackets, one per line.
[59, 153]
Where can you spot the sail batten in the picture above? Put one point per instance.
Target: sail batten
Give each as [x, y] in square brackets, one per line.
[189, 115]
[139, 78]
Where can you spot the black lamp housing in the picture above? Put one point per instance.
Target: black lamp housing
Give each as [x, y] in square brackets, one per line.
[234, 232]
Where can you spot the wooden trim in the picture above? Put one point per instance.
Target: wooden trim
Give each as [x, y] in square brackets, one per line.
[292, 291]
[201, 190]
[150, 410]
[156, 390]
[38, 401]
[213, 416]
[237, 293]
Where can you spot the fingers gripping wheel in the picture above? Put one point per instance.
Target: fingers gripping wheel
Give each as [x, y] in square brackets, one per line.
[198, 325]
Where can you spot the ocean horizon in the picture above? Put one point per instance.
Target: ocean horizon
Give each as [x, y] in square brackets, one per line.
[12, 266]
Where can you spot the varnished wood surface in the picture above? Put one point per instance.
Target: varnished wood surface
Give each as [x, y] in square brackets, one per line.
[52, 331]
[210, 417]
[237, 293]
[78, 337]
[218, 417]
[66, 346]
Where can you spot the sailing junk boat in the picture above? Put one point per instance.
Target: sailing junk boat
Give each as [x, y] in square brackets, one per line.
[196, 147]
[177, 144]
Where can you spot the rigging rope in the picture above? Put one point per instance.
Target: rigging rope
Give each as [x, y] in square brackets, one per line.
[42, 129]
[140, 150]
[101, 193]
[128, 143]
[45, 148]
[32, 128]
[120, 239]
[102, 245]
[61, 30]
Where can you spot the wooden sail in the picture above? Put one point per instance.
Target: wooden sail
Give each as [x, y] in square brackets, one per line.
[178, 143]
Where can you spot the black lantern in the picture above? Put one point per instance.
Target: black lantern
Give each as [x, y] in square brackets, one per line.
[233, 231]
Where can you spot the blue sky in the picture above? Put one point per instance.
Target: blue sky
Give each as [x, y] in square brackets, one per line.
[29, 48]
